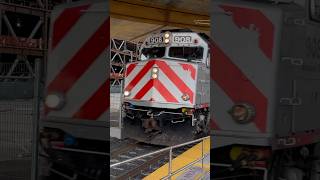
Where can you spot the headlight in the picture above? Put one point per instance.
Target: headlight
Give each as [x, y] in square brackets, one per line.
[166, 35]
[242, 113]
[185, 97]
[155, 70]
[154, 76]
[126, 93]
[55, 101]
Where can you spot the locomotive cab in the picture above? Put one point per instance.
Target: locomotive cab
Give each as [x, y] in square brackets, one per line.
[166, 93]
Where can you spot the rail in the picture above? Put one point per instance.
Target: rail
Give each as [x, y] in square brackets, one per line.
[170, 172]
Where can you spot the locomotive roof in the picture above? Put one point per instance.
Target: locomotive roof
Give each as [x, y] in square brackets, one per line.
[202, 35]
[176, 30]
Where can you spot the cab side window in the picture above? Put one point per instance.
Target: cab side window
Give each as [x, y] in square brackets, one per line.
[315, 10]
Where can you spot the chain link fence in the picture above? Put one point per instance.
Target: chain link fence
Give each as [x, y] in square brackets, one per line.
[15, 129]
[16, 139]
[19, 130]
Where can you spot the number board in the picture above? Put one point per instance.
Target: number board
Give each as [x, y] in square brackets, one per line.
[182, 39]
[156, 40]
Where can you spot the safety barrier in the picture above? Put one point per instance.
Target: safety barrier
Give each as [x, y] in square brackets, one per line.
[171, 173]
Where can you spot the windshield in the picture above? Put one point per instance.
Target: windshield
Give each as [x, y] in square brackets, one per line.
[189, 53]
[155, 52]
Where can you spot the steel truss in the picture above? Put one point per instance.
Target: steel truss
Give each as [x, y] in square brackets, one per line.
[23, 36]
[122, 52]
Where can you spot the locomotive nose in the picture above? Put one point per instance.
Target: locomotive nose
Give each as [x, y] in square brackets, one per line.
[158, 82]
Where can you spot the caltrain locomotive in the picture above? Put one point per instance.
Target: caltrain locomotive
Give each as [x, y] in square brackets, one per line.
[166, 93]
[265, 89]
[75, 132]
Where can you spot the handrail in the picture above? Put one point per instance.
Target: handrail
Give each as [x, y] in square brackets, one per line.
[186, 167]
[170, 173]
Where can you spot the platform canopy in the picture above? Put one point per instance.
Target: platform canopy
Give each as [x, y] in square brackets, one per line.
[132, 20]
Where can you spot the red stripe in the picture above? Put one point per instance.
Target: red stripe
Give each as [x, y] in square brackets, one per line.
[189, 67]
[140, 75]
[168, 71]
[244, 17]
[65, 22]
[175, 79]
[164, 92]
[80, 62]
[130, 68]
[144, 89]
[96, 105]
[213, 124]
[160, 87]
[237, 86]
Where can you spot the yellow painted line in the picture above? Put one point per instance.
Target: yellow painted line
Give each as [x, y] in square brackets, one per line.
[182, 160]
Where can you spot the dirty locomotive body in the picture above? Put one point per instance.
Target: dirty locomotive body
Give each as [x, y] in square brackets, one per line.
[166, 93]
[74, 124]
[265, 85]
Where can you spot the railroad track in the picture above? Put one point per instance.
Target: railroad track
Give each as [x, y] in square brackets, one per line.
[140, 168]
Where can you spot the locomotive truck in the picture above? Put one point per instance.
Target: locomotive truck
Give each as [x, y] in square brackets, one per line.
[166, 93]
[75, 132]
[265, 72]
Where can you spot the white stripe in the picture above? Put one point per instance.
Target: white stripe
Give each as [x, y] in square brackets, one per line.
[104, 117]
[133, 74]
[79, 34]
[158, 96]
[172, 88]
[154, 94]
[185, 75]
[148, 95]
[163, 78]
[242, 47]
[220, 107]
[140, 84]
[84, 88]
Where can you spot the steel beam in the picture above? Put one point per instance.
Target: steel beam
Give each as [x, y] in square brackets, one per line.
[12, 50]
[22, 9]
[35, 29]
[163, 15]
[9, 26]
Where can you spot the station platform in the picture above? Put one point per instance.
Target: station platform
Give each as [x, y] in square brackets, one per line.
[186, 158]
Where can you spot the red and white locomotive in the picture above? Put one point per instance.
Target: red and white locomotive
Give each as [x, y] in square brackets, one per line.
[75, 132]
[265, 85]
[166, 93]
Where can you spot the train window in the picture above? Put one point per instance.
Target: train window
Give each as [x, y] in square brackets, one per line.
[188, 53]
[154, 52]
[315, 10]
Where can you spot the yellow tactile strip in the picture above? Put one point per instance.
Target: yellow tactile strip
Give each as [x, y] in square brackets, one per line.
[184, 159]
